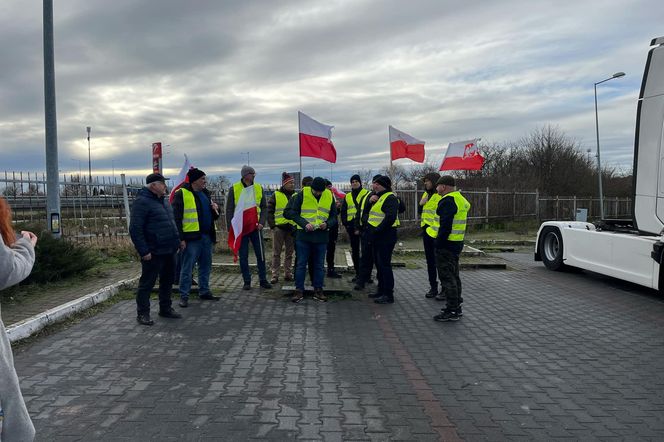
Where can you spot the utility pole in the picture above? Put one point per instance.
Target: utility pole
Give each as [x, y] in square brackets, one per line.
[51, 126]
[88, 128]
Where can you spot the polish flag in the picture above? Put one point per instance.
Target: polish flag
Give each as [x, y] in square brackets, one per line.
[403, 145]
[463, 155]
[181, 178]
[338, 193]
[316, 139]
[244, 221]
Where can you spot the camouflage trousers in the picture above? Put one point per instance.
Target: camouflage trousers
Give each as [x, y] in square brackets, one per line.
[447, 263]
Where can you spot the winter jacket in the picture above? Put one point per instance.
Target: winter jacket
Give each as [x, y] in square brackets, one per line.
[152, 227]
[15, 425]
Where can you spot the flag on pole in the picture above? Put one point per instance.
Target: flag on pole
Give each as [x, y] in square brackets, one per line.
[181, 178]
[403, 145]
[462, 155]
[244, 221]
[316, 139]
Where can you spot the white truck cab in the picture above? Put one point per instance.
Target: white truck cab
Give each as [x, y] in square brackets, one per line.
[627, 250]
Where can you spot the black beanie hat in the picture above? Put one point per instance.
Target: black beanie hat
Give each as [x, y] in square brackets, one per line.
[194, 174]
[355, 177]
[384, 181]
[318, 184]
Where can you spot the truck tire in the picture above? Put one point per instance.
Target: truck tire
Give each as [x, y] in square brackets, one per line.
[551, 248]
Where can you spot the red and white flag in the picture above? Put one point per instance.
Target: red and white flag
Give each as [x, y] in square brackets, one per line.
[316, 139]
[463, 155]
[403, 145]
[245, 219]
[181, 178]
[338, 193]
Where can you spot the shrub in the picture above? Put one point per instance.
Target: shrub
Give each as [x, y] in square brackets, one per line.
[57, 259]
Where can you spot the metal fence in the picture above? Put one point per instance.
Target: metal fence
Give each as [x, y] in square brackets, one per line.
[96, 210]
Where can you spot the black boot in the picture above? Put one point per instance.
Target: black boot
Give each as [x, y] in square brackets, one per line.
[432, 292]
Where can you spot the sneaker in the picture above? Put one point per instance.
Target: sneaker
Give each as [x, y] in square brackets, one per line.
[319, 295]
[274, 280]
[384, 300]
[333, 274]
[298, 295]
[144, 320]
[447, 315]
[184, 303]
[266, 285]
[209, 297]
[431, 293]
[170, 314]
[459, 311]
[246, 286]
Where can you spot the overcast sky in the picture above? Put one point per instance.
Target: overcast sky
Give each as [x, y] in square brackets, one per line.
[217, 79]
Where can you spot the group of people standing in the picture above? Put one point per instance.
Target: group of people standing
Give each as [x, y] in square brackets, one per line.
[171, 240]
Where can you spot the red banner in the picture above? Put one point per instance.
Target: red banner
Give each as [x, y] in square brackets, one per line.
[156, 157]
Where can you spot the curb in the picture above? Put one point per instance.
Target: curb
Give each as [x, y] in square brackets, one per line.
[27, 327]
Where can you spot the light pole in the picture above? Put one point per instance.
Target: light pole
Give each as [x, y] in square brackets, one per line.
[88, 128]
[599, 163]
[247, 154]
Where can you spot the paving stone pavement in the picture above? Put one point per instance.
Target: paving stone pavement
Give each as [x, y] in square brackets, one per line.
[538, 355]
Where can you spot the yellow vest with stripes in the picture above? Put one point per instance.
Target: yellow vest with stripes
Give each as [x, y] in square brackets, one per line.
[458, 223]
[353, 204]
[315, 211]
[258, 194]
[281, 200]
[376, 215]
[190, 214]
[429, 209]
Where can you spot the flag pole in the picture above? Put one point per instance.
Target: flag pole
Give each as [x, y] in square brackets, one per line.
[299, 131]
[390, 150]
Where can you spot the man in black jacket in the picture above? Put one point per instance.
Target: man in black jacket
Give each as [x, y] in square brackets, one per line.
[195, 214]
[155, 237]
[349, 209]
[382, 221]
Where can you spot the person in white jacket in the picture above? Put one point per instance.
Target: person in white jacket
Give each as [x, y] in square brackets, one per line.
[16, 261]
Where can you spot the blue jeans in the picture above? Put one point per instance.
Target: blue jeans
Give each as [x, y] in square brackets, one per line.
[302, 251]
[259, 250]
[200, 251]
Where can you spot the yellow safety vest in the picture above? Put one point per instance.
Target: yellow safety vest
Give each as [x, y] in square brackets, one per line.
[429, 209]
[458, 223]
[376, 215]
[315, 211]
[190, 215]
[281, 200]
[352, 204]
[258, 193]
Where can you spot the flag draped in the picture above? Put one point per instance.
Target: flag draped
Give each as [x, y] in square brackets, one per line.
[181, 178]
[403, 145]
[316, 139]
[462, 155]
[245, 219]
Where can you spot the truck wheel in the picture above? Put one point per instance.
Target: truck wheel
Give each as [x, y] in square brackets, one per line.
[551, 248]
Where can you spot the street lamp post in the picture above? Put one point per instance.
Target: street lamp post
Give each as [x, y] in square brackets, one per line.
[599, 163]
[88, 128]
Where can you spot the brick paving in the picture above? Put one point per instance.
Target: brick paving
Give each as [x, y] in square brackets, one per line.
[538, 355]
